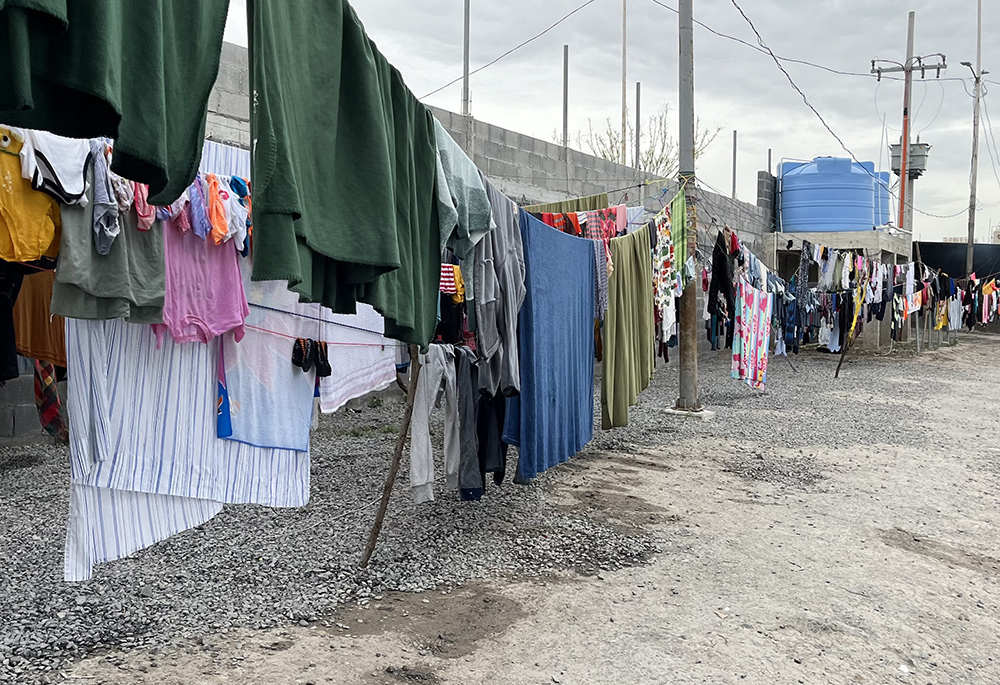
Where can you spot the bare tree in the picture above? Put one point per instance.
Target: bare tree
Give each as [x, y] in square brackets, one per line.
[658, 146]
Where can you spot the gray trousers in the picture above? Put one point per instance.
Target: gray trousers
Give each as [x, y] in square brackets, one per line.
[438, 368]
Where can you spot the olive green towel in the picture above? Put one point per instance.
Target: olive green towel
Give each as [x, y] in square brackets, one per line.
[629, 352]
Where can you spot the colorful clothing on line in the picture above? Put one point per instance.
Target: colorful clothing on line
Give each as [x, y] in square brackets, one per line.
[753, 335]
[665, 276]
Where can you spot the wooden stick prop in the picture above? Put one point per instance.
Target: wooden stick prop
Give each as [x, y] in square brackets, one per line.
[397, 457]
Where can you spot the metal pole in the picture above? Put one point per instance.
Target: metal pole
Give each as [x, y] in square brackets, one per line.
[973, 181]
[465, 61]
[624, 87]
[734, 164]
[638, 125]
[769, 169]
[904, 185]
[688, 400]
[565, 96]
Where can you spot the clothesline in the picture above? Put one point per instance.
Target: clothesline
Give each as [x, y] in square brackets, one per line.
[314, 318]
[332, 344]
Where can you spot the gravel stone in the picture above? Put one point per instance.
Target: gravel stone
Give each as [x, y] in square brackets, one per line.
[256, 567]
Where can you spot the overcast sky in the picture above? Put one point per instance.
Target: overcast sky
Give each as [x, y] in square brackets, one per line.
[736, 87]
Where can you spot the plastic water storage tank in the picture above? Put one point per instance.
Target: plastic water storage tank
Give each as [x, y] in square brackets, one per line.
[883, 214]
[829, 194]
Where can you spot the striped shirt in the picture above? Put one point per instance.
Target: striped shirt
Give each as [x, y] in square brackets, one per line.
[448, 284]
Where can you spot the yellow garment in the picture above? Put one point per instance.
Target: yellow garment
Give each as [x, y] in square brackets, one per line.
[989, 288]
[459, 296]
[30, 226]
[942, 316]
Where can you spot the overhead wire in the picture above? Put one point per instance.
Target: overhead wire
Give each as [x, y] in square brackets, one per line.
[819, 116]
[994, 153]
[792, 60]
[511, 51]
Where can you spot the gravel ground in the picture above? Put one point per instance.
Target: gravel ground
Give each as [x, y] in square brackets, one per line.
[257, 568]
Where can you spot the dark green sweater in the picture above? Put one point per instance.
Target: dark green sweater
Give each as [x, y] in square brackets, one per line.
[343, 168]
[137, 71]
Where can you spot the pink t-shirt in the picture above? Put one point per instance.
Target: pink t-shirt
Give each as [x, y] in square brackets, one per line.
[204, 289]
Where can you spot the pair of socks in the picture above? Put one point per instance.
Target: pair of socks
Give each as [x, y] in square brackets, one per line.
[307, 353]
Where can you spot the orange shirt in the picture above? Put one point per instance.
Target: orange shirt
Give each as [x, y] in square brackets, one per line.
[216, 210]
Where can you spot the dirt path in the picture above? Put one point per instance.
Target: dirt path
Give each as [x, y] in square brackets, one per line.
[782, 560]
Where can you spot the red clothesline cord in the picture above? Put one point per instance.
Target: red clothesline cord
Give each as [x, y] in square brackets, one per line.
[332, 344]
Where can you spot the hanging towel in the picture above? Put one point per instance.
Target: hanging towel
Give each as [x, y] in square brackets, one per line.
[270, 398]
[363, 360]
[553, 417]
[629, 331]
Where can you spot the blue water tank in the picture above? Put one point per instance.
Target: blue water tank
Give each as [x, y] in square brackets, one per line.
[830, 194]
[883, 214]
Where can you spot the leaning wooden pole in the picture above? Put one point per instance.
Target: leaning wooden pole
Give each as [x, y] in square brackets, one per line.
[397, 457]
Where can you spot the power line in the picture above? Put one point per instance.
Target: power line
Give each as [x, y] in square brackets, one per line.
[819, 116]
[512, 50]
[994, 153]
[787, 59]
[936, 114]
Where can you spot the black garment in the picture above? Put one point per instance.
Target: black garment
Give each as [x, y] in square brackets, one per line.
[452, 322]
[846, 315]
[722, 285]
[491, 413]
[801, 287]
[11, 276]
[467, 383]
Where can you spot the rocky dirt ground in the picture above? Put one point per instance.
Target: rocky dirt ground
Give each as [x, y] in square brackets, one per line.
[824, 531]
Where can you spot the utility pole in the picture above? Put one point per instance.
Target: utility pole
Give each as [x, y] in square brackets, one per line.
[624, 86]
[688, 400]
[912, 63]
[977, 74]
[638, 125]
[734, 164]
[465, 61]
[565, 139]
[904, 187]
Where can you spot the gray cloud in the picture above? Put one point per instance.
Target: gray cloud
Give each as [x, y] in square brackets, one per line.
[736, 87]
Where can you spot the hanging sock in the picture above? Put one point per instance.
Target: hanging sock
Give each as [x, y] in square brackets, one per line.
[303, 353]
[322, 360]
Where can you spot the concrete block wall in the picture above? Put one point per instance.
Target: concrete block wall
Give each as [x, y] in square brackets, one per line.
[18, 414]
[229, 103]
[532, 170]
